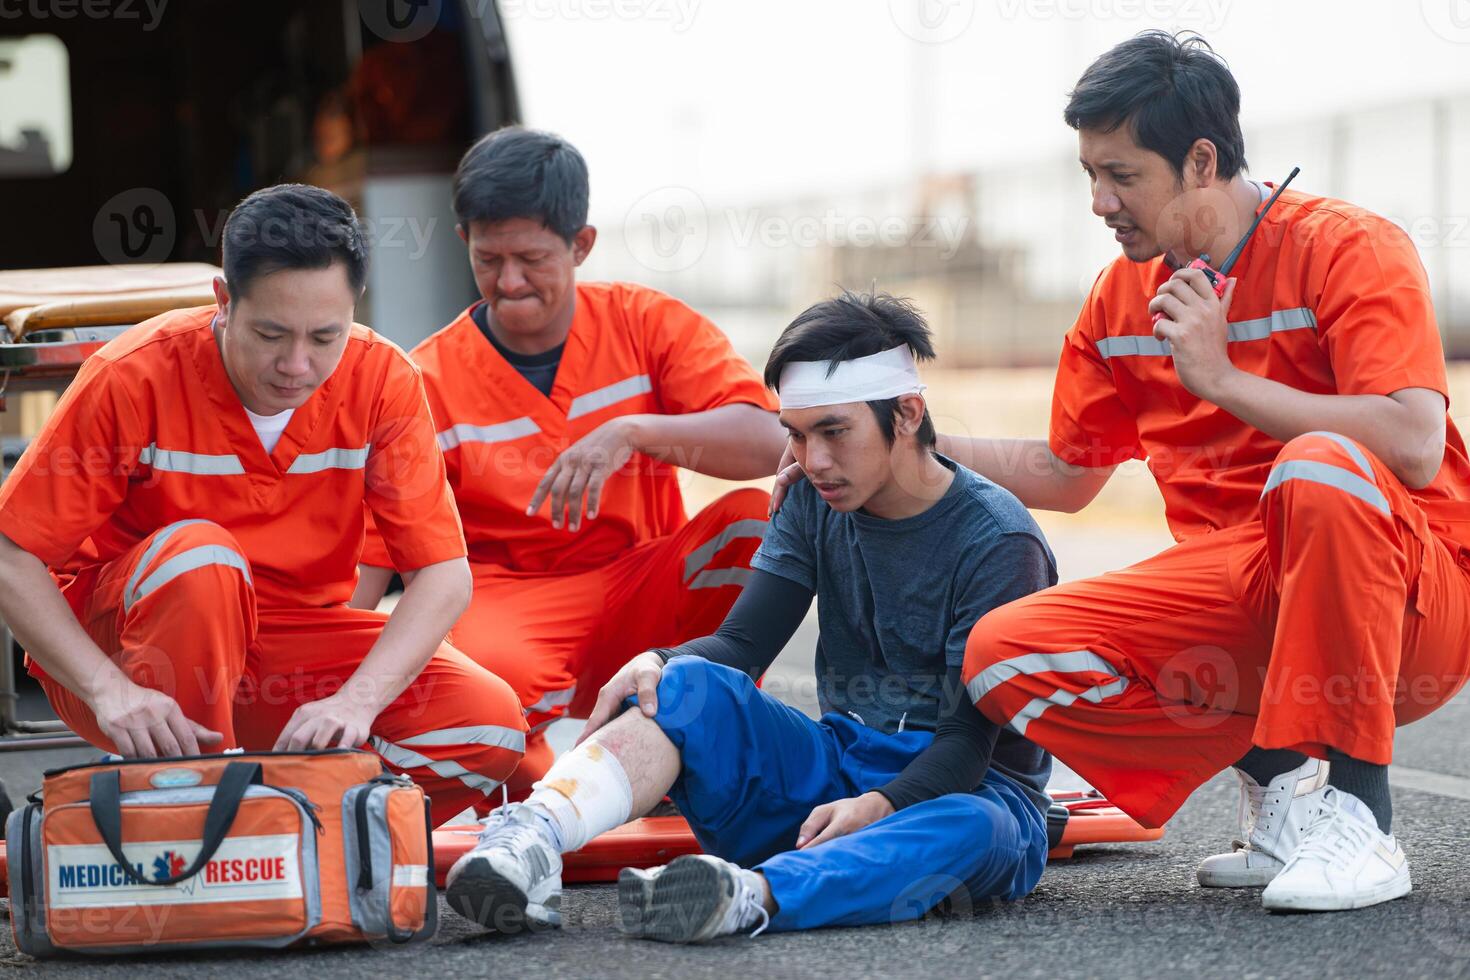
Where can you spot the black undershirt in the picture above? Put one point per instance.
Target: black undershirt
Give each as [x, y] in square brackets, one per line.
[762, 620]
[538, 369]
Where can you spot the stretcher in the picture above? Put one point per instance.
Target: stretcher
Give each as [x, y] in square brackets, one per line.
[1078, 818]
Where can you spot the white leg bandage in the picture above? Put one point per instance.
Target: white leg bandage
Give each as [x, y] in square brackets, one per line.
[585, 793]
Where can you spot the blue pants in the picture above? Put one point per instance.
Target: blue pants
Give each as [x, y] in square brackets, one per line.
[754, 769]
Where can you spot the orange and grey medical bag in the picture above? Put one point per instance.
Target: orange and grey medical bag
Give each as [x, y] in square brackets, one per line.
[221, 851]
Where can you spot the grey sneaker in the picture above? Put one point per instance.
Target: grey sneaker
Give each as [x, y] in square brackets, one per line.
[690, 900]
[511, 879]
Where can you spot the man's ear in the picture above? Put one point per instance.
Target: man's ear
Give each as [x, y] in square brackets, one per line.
[221, 296]
[1201, 164]
[911, 413]
[582, 244]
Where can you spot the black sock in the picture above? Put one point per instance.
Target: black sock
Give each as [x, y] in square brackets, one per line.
[1364, 780]
[1264, 765]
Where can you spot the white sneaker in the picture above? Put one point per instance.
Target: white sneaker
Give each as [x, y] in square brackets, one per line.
[1272, 821]
[512, 876]
[1344, 862]
[691, 899]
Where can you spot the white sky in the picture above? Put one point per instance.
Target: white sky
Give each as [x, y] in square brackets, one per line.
[748, 101]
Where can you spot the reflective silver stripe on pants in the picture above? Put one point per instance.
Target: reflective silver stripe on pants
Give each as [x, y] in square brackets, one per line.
[750, 527]
[1352, 450]
[187, 561]
[1037, 706]
[331, 459]
[597, 400]
[1074, 662]
[554, 699]
[178, 461]
[148, 554]
[499, 432]
[1327, 475]
[1145, 345]
[494, 736]
[713, 578]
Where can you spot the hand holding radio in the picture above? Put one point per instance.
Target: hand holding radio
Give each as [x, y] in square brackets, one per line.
[1191, 312]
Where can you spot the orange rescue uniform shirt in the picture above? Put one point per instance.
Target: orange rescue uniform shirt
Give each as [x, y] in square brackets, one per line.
[151, 432]
[631, 350]
[1329, 299]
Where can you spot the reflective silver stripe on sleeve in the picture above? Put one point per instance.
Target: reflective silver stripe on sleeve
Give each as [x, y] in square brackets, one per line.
[187, 561]
[1074, 662]
[1133, 347]
[178, 461]
[713, 578]
[554, 699]
[500, 432]
[148, 554]
[1327, 475]
[1145, 345]
[603, 397]
[1352, 450]
[698, 558]
[408, 759]
[331, 459]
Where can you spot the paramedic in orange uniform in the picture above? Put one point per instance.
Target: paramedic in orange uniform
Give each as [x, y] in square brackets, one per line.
[564, 410]
[199, 497]
[1297, 428]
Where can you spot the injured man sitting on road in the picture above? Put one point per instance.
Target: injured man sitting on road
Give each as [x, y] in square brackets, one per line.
[902, 792]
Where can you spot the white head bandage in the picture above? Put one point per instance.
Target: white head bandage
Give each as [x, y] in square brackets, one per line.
[887, 374]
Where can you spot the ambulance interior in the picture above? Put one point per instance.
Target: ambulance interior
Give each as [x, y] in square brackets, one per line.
[126, 139]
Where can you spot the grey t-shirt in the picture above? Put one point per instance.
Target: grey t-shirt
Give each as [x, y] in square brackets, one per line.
[896, 599]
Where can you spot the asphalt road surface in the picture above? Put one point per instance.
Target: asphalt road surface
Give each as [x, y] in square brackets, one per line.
[1112, 911]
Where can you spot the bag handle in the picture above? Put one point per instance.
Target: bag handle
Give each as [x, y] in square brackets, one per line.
[106, 804]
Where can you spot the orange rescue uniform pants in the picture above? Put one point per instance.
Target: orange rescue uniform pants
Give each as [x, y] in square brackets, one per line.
[1333, 618]
[177, 613]
[557, 638]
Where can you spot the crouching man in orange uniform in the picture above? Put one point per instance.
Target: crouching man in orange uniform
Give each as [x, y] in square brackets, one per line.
[198, 500]
[563, 409]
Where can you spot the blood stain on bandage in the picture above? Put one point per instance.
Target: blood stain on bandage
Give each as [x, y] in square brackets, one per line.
[566, 787]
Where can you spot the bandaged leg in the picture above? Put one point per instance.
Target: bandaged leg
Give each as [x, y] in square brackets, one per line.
[622, 771]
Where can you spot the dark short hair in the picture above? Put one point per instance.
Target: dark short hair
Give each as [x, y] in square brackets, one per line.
[523, 173]
[291, 226]
[855, 325]
[1170, 90]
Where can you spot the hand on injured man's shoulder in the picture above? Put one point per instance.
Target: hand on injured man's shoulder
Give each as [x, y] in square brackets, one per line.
[143, 723]
[788, 472]
[638, 676]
